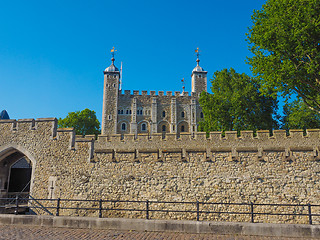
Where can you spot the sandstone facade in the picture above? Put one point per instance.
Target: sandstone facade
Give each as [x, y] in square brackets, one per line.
[185, 167]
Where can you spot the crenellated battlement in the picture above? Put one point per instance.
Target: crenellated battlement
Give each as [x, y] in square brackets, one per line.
[260, 142]
[216, 136]
[30, 124]
[128, 93]
[44, 129]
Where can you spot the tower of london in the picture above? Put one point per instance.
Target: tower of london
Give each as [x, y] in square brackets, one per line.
[134, 113]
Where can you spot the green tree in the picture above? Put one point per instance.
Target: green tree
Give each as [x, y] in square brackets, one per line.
[236, 104]
[285, 41]
[84, 122]
[297, 115]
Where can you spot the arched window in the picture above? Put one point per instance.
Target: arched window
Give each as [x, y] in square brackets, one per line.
[182, 128]
[143, 127]
[127, 112]
[130, 112]
[121, 111]
[140, 112]
[182, 114]
[201, 115]
[123, 126]
[163, 128]
[164, 114]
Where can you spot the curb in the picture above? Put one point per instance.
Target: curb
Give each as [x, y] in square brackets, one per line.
[218, 228]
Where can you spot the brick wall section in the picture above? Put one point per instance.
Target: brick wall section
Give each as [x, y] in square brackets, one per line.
[263, 169]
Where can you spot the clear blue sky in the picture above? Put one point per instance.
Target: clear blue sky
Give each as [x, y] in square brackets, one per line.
[53, 53]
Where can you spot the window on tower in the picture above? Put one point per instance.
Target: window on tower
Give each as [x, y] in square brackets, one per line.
[164, 114]
[123, 126]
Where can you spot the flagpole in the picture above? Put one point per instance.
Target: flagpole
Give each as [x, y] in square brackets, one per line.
[121, 77]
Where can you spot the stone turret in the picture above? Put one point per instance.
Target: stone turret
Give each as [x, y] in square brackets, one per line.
[110, 98]
[198, 78]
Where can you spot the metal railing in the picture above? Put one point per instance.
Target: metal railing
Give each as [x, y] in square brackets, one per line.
[196, 208]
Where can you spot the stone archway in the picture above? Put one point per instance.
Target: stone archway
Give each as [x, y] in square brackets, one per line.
[16, 171]
[163, 127]
[183, 126]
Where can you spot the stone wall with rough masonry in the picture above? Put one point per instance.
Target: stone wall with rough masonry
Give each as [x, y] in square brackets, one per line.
[188, 167]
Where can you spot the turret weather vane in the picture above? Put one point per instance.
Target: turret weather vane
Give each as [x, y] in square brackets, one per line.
[113, 50]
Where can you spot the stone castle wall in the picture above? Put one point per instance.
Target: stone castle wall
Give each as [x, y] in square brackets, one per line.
[185, 167]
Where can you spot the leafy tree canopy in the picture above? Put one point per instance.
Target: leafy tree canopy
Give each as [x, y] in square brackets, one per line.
[285, 41]
[297, 115]
[236, 104]
[84, 122]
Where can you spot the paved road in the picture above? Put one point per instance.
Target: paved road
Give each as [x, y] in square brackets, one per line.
[19, 232]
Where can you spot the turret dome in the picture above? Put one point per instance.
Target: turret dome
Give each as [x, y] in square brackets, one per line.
[198, 68]
[111, 68]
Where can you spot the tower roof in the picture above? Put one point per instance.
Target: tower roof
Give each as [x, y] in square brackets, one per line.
[4, 115]
[198, 68]
[112, 67]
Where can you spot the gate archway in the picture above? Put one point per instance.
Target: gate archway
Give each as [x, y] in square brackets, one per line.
[16, 172]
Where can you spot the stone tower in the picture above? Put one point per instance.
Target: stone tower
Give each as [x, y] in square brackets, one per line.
[110, 99]
[198, 78]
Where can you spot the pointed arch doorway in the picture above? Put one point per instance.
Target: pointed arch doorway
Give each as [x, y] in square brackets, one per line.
[16, 172]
